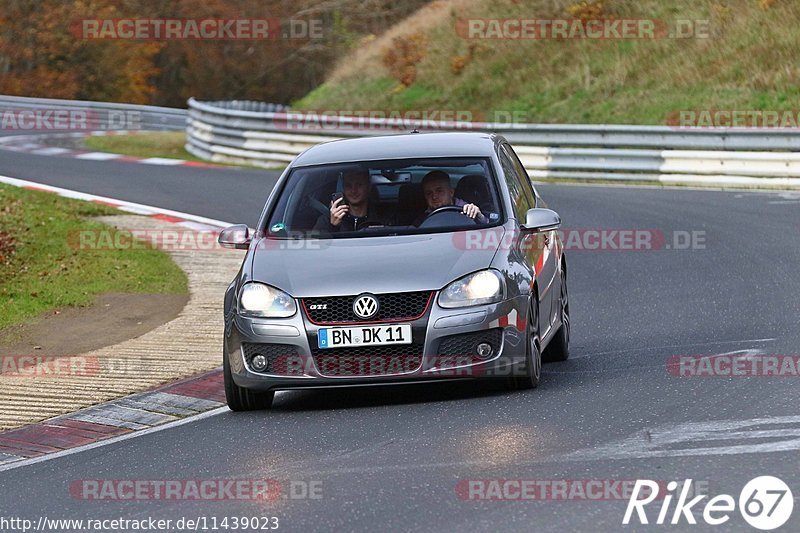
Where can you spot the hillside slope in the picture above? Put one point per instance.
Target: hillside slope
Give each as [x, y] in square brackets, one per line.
[748, 61]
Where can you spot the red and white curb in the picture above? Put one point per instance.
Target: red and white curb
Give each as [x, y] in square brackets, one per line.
[187, 220]
[35, 144]
[166, 406]
[170, 405]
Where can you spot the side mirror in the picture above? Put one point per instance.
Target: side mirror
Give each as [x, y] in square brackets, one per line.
[237, 237]
[537, 220]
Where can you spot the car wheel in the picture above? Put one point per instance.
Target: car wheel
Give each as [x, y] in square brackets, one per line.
[241, 399]
[558, 349]
[532, 373]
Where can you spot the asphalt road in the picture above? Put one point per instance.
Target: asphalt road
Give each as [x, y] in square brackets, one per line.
[235, 194]
[393, 458]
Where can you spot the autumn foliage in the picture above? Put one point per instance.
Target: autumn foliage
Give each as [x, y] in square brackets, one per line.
[402, 56]
[41, 56]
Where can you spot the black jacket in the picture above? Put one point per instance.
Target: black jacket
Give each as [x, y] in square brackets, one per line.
[349, 222]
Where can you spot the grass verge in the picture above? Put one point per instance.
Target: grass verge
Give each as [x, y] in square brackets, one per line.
[40, 270]
[744, 58]
[154, 144]
[159, 144]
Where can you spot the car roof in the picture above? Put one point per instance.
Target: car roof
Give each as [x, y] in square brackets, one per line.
[401, 146]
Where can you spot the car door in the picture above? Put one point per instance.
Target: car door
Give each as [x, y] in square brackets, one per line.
[545, 262]
[532, 245]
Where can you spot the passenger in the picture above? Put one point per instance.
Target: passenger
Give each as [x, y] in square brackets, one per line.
[438, 193]
[353, 210]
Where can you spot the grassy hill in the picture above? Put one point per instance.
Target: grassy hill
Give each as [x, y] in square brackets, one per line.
[749, 61]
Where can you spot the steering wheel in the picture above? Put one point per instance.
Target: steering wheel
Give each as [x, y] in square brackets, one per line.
[447, 220]
[444, 209]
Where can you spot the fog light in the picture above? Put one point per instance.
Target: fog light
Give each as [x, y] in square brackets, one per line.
[484, 350]
[259, 363]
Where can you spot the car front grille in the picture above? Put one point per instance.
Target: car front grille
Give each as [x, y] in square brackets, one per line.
[395, 307]
[369, 360]
[282, 359]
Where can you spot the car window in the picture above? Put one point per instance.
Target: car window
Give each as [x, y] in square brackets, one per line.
[524, 179]
[521, 201]
[389, 200]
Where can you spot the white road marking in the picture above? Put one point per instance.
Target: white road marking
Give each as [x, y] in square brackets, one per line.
[744, 354]
[197, 226]
[786, 195]
[139, 209]
[714, 343]
[112, 440]
[136, 210]
[98, 156]
[24, 147]
[52, 150]
[747, 354]
[7, 457]
[161, 161]
[699, 438]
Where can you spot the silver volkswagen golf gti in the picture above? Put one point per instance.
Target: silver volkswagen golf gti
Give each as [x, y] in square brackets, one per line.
[396, 259]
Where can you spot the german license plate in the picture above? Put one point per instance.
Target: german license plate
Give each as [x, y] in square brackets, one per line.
[364, 336]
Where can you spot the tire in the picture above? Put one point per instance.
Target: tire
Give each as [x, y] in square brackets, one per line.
[558, 349]
[533, 355]
[241, 399]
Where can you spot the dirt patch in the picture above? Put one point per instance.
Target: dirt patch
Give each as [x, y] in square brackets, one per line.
[111, 319]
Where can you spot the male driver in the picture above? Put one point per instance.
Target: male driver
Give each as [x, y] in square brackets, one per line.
[438, 193]
[352, 211]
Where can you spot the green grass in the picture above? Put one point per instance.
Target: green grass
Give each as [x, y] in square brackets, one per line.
[42, 267]
[749, 62]
[162, 144]
[146, 144]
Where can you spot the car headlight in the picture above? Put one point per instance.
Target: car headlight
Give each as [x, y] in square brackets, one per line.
[484, 287]
[257, 299]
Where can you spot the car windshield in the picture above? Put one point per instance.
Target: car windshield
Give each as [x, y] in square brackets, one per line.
[377, 198]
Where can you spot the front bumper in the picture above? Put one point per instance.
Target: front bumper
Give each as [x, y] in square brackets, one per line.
[504, 321]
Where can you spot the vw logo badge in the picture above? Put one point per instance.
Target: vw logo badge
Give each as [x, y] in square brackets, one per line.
[366, 306]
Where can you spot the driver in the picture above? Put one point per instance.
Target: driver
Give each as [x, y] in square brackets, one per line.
[352, 211]
[438, 193]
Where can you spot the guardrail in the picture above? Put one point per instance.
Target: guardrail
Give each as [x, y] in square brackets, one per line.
[270, 135]
[265, 135]
[104, 115]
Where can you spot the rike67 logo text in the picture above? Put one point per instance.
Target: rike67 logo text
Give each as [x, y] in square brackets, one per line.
[766, 503]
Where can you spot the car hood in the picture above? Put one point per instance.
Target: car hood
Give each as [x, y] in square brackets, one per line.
[339, 267]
